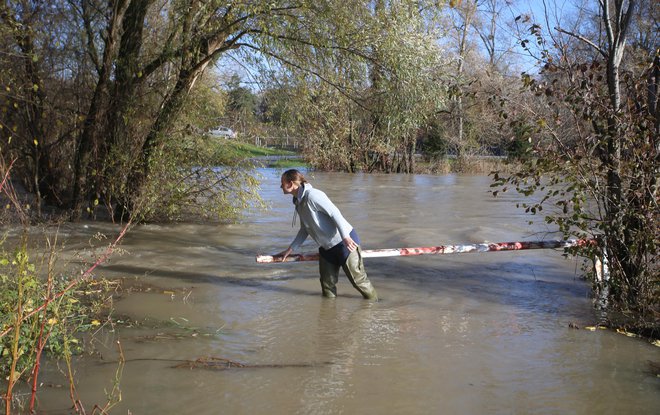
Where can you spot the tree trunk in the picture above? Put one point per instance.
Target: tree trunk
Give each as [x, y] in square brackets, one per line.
[462, 48]
[140, 171]
[123, 102]
[619, 239]
[90, 138]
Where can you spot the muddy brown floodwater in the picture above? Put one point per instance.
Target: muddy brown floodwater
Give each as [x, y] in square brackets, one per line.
[214, 332]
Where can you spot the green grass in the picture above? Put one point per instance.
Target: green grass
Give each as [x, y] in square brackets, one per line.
[235, 149]
[288, 163]
[231, 151]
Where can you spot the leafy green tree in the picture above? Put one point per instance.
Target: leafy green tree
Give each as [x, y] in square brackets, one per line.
[242, 105]
[381, 85]
[274, 106]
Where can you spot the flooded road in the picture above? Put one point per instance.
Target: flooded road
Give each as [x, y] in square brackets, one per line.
[452, 334]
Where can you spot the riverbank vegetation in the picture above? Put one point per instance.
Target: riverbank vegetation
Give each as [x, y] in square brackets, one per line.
[46, 303]
[105, 109]
[594, 154]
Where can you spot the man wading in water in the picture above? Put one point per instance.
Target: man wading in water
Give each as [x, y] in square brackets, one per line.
[339, 243]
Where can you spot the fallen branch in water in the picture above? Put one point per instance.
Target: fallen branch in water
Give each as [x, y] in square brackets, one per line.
[219, 363]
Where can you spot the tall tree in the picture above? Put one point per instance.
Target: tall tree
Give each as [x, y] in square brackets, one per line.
[242, 106]
[25, 101]
[602, 170]
[371, 119]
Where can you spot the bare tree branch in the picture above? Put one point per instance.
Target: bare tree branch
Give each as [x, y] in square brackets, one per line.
[583, 39]
[285, 61]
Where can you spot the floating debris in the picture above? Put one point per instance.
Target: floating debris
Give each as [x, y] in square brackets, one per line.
[220, 363]
[161, 336]
[217, 363]
[626, 333]
[594, 328]
[654, 368]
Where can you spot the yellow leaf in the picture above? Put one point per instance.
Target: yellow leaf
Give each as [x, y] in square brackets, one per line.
[590, 328]
[52, 321]
[168, 292]
[36, 143]
[626, 333]
[16, 375]
[656, 343]
[96, 323]
[72, 300]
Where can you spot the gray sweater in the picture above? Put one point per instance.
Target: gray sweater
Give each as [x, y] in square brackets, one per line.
[319, 218]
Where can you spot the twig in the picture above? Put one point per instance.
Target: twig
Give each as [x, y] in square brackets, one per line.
[77, 281]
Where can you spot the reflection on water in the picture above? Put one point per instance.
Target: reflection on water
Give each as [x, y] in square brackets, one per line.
[466, 334]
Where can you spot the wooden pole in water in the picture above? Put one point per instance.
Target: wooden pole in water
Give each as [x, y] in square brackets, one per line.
[441, 250]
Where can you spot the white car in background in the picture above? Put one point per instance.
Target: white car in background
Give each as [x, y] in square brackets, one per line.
[225, 132]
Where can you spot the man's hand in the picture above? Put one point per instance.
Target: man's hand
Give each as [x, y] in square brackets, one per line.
[350, 244]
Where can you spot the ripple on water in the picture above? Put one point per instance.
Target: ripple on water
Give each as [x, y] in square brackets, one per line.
[475, 333]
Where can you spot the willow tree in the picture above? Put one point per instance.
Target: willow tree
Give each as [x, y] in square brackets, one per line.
[362, 106]
[595, 155]
[411, 88]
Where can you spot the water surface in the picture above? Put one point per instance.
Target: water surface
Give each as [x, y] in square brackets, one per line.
[461, 334]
